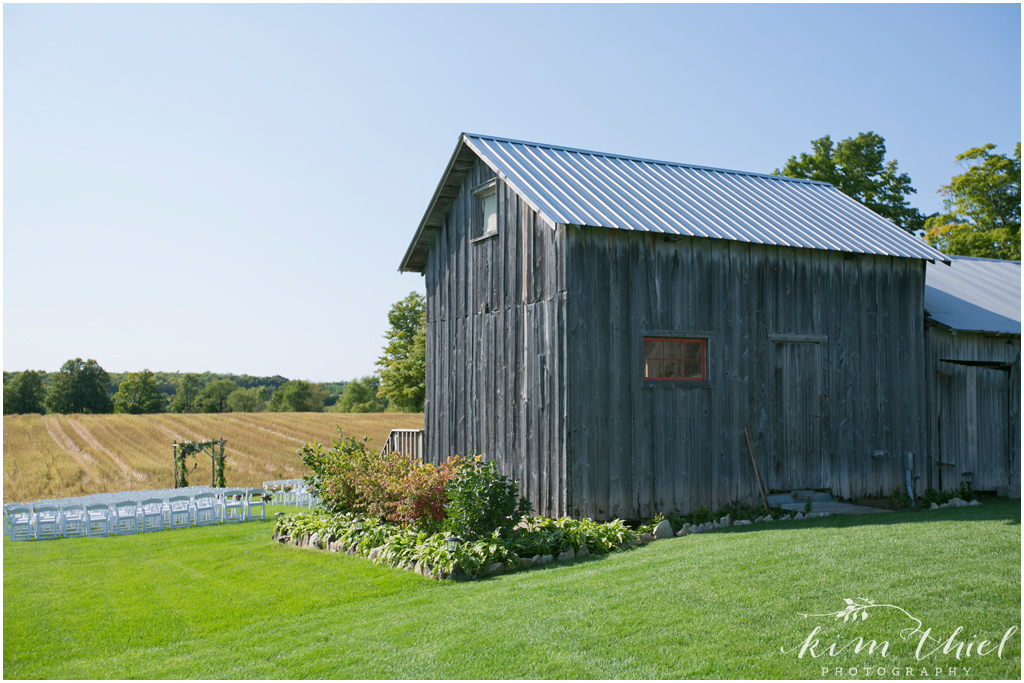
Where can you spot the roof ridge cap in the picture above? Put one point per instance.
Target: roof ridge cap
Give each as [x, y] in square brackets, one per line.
[646, 160]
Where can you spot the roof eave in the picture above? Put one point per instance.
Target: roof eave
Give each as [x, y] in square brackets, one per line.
[453, 176]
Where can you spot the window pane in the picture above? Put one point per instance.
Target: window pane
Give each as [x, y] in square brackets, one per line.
[693, 350]
[490, 213]
[652, 349]
[653, 368]
[693, 369]
[672, 369]
[673, 349]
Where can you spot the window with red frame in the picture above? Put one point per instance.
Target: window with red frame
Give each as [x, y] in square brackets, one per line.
[674, 359]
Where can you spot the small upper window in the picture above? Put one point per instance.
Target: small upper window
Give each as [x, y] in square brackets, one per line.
[485, 223]
[669, 358]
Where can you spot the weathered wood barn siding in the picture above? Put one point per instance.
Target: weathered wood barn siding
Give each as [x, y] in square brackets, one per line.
[495, 352]
[974, 411]
[819, 355]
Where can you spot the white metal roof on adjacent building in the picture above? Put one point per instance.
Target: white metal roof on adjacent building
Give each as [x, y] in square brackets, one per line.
[974, 294]
[577, 187]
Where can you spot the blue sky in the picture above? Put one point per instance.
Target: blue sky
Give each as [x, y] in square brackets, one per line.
[231, 188]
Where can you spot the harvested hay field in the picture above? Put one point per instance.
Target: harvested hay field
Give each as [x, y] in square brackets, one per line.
[55, 456]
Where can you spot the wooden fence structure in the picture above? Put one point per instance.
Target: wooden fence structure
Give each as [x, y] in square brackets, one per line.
[411, 442]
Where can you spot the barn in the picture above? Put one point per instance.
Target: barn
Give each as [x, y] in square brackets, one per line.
[972, 363]
[609, 329]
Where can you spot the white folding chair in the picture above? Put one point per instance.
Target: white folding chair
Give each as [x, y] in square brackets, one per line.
[152, 515]
[254, 504]
[181, 515]
[7, 517]
[97, 519]
[126, 516]
[206, 509]
[47, 525]
[20, 523]
[234, 506]
[72, 520]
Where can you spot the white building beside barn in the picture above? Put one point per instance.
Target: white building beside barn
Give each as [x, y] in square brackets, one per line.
[607, 329]
[972, 337]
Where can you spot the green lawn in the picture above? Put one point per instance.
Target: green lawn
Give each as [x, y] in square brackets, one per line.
[227, 602]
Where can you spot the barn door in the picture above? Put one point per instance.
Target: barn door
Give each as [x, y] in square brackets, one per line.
[974, 432]
[799, 407]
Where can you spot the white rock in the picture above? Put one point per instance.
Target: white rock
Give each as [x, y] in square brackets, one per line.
[374, 552]
[536, 559]
[547, 558]
[583, 551]
[743, 522]
[975, 502]
[494, 567]
[683, 532]
[933, 506]
[313, 538]
[786, 518]
[799, 515]
[646, 538]
[686, 528]
[663, 530]
[567, 555]
[768, 518]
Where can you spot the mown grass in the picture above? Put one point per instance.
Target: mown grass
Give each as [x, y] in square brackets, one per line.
[55, 456]
[227, 602]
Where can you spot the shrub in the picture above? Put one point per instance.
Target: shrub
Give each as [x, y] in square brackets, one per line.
[481, 500]
[349, 477]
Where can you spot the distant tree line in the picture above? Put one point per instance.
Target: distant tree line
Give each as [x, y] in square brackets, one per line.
[85, 387]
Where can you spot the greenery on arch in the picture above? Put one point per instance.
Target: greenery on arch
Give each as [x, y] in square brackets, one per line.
[189, 449]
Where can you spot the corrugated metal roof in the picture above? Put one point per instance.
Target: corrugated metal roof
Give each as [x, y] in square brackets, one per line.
[578, 187]
[974, 294]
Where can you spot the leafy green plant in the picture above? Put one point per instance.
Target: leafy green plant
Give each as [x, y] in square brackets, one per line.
[965, 492]
[932, 496]
[481, 500]
[899, 499]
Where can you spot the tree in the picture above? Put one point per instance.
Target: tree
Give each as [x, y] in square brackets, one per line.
[214, 398]
[137, 394]
[80, 387]
[298, 396]
[402, 368]
[361, 396]
[25, 394]
[186, 398]
[857, 168]
[982, 207]
[251, 400]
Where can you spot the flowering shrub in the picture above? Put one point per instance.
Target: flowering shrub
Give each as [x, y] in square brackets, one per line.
[349, 477]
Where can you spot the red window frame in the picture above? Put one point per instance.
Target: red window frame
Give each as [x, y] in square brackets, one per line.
[667, 355]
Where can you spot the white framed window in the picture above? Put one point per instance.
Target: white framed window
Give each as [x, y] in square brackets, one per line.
[485, 218]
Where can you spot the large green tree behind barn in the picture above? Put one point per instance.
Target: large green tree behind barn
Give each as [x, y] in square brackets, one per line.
[80, 387]
[982, 207]
[402, 368]
[857, 168]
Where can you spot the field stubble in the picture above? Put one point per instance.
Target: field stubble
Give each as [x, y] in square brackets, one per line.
[57, 456]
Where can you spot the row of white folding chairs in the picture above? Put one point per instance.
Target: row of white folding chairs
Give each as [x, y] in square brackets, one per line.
[130, 516]
[298, 495]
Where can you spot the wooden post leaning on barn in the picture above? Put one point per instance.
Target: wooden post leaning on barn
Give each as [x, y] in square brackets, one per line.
[757, 473]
